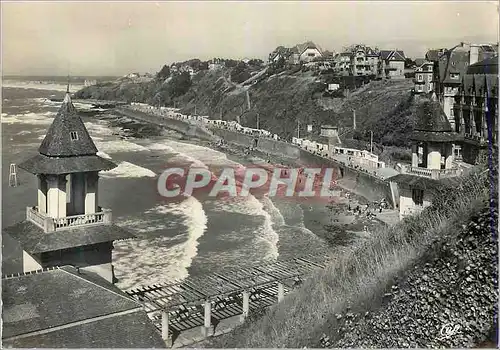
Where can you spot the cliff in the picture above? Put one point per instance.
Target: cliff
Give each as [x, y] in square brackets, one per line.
[279, 102]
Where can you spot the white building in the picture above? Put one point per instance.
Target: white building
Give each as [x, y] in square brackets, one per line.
[432, 160]
[307, 51]
[67, 226]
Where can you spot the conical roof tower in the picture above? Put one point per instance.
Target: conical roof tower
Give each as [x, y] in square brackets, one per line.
[67, 147]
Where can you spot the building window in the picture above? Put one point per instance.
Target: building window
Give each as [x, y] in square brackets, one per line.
[417, 196]
[454, 76]
[420, 77]
[74, 136]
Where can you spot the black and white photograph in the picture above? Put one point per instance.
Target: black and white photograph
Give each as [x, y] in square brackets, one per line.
[249, 174]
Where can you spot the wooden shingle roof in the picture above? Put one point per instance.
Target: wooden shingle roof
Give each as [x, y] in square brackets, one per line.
[34, 241]
[431, 117]
[59, 141]
[41, 164]
[67, 148]
[423, 183]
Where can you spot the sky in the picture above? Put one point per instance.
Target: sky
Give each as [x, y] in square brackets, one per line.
[116, 38]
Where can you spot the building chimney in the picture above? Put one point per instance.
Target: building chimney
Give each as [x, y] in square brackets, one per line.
[473, 54]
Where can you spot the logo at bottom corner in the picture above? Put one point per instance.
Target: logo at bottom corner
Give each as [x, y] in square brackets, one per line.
[448, 330]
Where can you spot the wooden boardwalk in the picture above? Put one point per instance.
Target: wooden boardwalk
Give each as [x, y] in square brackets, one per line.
[205, 301]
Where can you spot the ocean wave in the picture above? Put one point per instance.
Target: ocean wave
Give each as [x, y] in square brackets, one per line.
[103, 155]
[101, 128]
[274, 212]
[150, 261]
[128, 170]
[40, 86]
[45, 101]
[203, 154]
[160, 146]
[184, 159]
[31, 118]
[116, 146]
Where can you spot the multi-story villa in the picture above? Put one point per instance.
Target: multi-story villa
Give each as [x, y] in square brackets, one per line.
[358, 60]
[449, 69]
[342, 63]
[424, 77]
[475, 109]
[391, 64]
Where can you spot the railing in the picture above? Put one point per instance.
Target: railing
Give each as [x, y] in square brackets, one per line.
[431, 173]
[49, 224]
[34, 216]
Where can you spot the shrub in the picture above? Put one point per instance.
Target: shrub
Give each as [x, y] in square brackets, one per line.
[179, 84]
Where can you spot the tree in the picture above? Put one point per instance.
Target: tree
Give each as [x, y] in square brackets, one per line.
[255, 62]
[164, 73]
[240, 73]
[409, 63]
[179, 84]
[203, 65]
[281, 62]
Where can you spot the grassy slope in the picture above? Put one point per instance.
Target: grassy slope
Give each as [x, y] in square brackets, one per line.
[280, 101]
[359, 279]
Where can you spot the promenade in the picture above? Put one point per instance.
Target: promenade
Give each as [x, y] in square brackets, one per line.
[203, 122]
[197, 307]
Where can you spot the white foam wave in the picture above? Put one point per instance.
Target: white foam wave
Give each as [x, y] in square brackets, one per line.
[4, 114]
[103, 155]
[30, 118]
[24, 132]
[100, 128]
[181, 159]
[201, 153]
[45, 101]
[276, 215]
[252, 206]
[40, 86]
[144, 262]
[116, 146]
[160, 147]
[128, 170]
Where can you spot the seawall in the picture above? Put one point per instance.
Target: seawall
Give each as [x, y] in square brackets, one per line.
[180, 126]
[359, 182]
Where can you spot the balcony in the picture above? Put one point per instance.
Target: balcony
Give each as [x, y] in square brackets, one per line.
[434, 174]
[49, 224]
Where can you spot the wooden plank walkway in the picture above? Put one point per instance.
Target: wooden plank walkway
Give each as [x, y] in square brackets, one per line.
[184, 300]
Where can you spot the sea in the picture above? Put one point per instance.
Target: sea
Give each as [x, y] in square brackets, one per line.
[176, 238]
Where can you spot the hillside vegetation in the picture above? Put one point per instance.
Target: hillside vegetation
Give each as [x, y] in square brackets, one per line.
[280, 98]
[398, 288]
